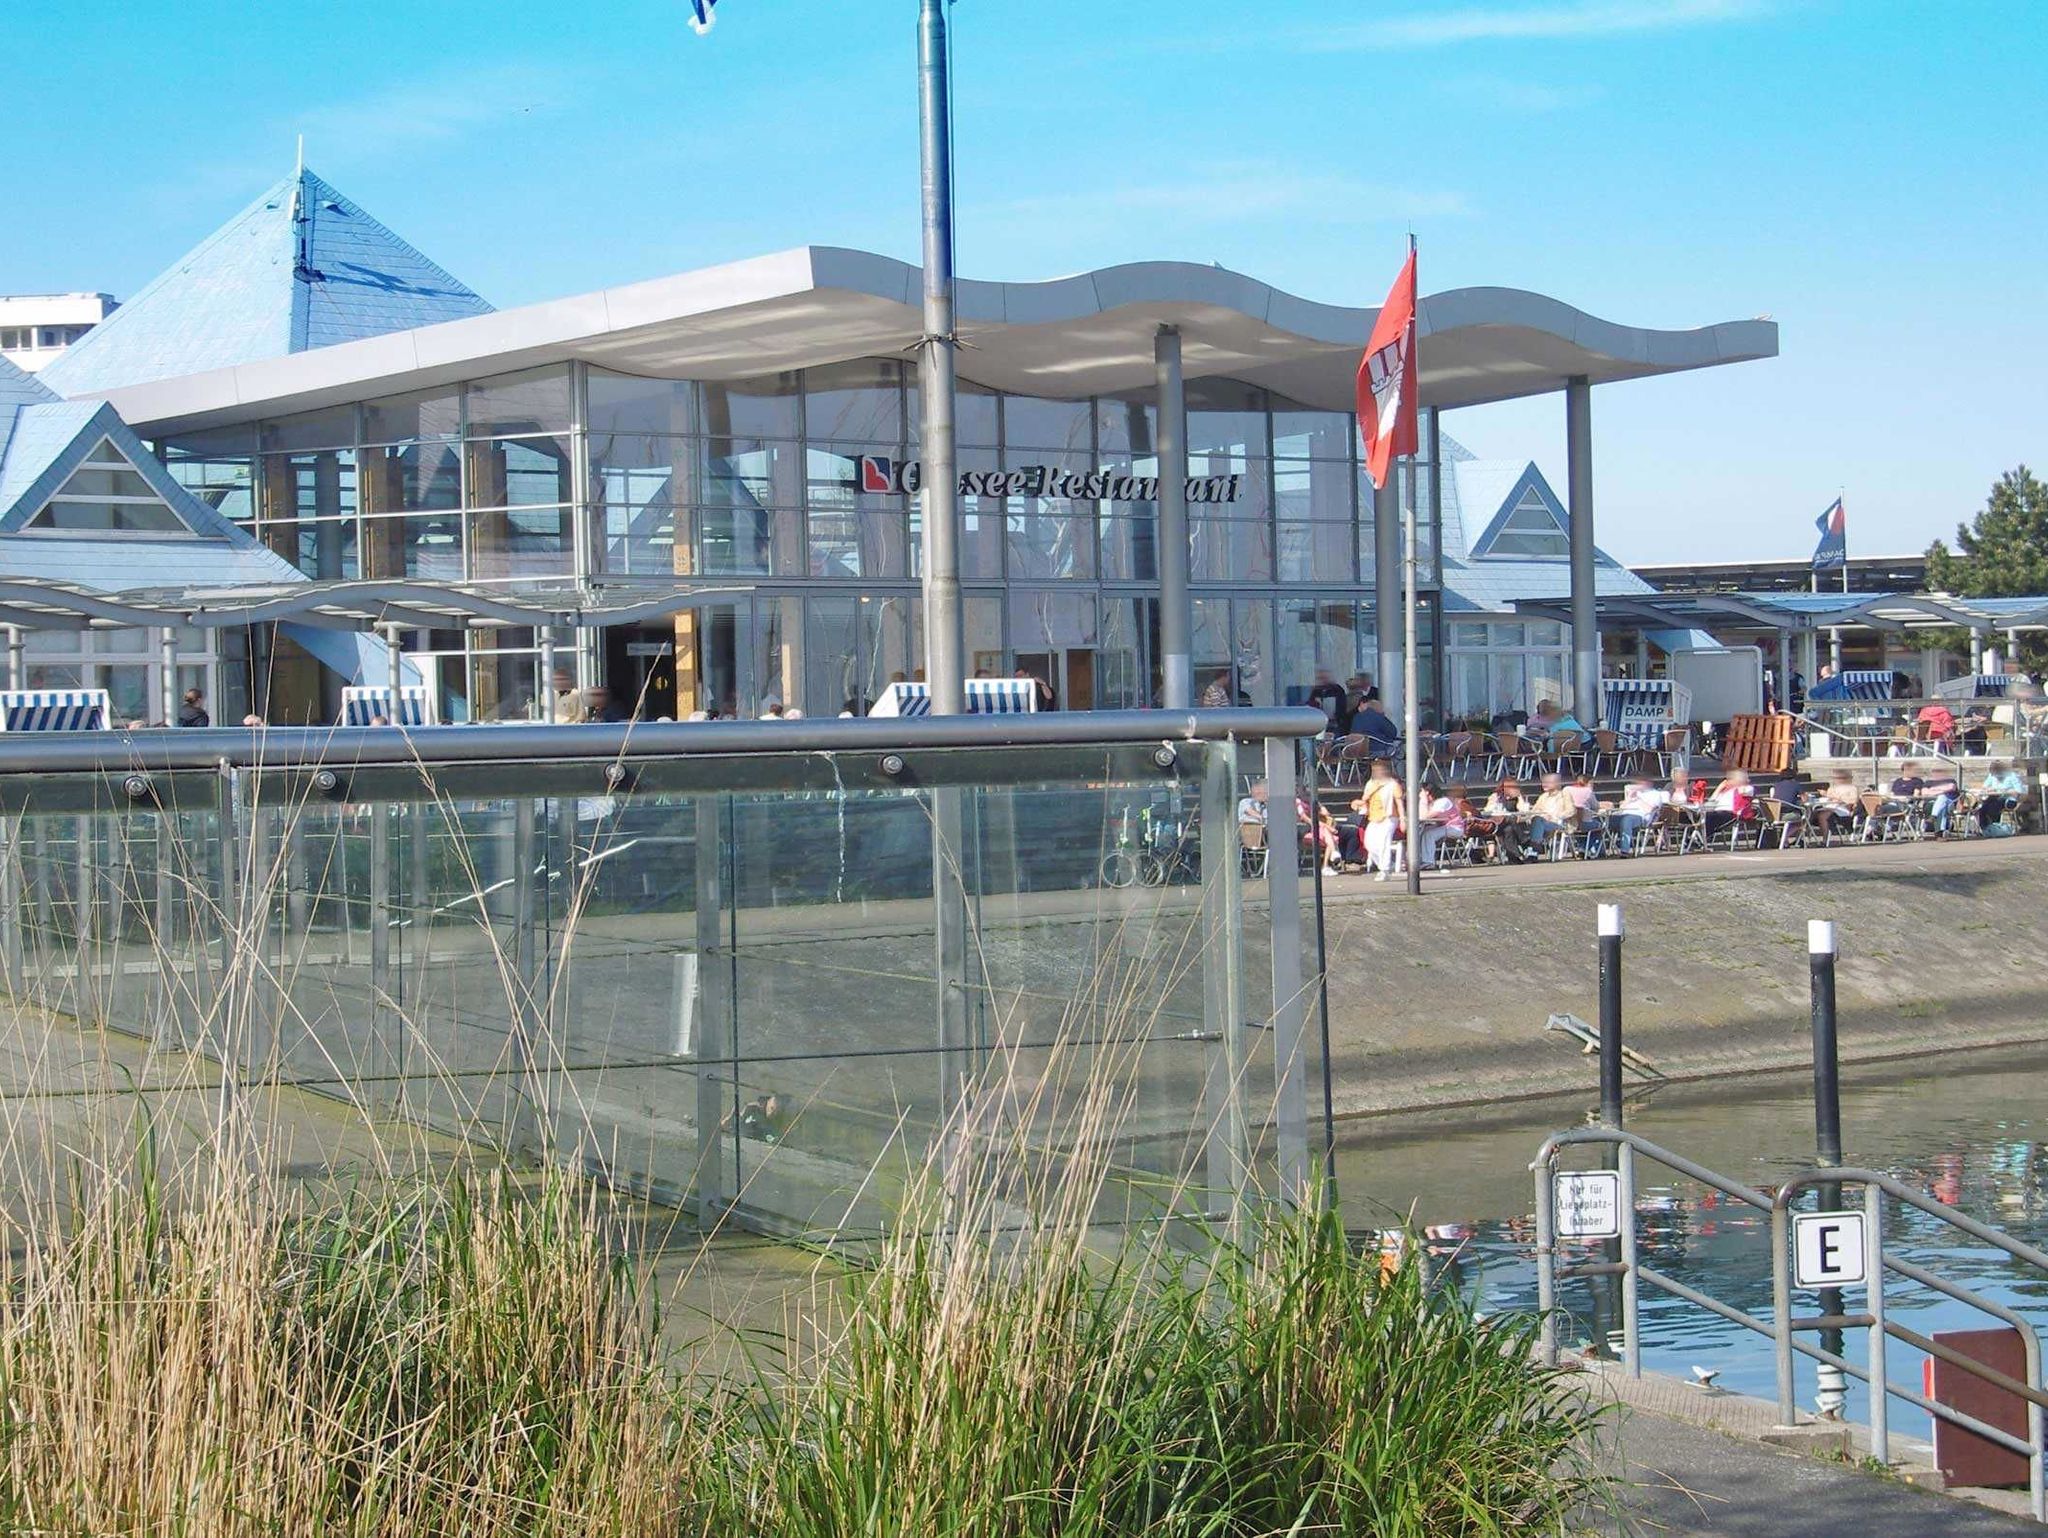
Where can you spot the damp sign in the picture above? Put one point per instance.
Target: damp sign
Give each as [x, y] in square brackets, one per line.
[1588, 1204]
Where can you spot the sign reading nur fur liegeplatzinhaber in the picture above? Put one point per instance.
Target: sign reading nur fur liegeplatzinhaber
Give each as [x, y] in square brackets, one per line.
[1588, 1204]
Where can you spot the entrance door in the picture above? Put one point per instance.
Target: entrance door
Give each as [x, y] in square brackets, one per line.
[1069, 669]
[640, 662]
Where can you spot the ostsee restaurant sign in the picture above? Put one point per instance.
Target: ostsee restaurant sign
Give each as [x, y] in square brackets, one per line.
[881, 475]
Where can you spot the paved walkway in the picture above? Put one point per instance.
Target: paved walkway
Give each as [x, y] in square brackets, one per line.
[1691, 1480]
[1694, 1465]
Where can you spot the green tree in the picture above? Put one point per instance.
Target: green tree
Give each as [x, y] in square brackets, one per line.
[2001, 553]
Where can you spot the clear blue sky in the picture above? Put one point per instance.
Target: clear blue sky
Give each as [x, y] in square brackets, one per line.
[1868, 172]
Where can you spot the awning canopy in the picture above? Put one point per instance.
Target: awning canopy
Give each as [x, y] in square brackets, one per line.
[36, 604]
[1799, 612]
[1089, 334]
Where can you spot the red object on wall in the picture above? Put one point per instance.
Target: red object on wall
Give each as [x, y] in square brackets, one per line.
[1964, 1457]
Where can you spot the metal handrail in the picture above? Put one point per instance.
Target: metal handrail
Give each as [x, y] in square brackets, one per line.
[305, 747]
[1627, 1145]
[1876, 1186]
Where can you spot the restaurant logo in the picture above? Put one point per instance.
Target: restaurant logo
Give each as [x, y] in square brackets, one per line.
[880, 475]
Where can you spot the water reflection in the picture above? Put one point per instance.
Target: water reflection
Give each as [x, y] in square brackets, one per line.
[1971, 1136]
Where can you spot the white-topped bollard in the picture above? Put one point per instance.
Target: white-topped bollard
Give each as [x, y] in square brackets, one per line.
[1610, 928]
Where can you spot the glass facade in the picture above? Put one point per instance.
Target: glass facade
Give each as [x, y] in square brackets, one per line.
[786, 493]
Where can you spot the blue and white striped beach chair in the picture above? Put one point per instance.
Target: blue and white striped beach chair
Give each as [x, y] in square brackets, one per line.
[361, 703]
[55, 710]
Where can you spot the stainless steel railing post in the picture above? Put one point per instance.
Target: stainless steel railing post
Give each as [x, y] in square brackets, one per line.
[1873, 1261]
[1781, 1309]
[1631, 1324]
[1546, 1251]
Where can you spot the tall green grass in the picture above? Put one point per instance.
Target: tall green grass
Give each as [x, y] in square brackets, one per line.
[476, 1358]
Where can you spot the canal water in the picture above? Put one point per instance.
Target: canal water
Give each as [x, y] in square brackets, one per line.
[1974, 1136]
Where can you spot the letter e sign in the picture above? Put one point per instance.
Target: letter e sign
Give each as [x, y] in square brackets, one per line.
[1828, 1249]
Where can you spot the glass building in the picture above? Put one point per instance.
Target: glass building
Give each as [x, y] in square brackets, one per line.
[777, 504]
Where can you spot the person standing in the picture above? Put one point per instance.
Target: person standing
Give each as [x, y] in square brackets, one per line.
[1380, 806]
[193, 711]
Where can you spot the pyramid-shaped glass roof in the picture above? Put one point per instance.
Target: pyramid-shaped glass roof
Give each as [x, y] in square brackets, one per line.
[301, 267]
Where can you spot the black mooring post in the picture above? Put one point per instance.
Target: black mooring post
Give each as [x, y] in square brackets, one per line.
[1827, 1083]
[1832, 1388]
[1610, 1014]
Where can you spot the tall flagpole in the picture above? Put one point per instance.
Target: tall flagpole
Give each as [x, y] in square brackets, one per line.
[944, 665]
[1411, 713]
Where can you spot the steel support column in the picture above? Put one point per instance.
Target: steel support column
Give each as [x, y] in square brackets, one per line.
[1578, 431]
[167, 664]
[1386, 589]
[1176, 610]
[717, 1044]
[1223, 980]
[1290, 997]
[944, 662]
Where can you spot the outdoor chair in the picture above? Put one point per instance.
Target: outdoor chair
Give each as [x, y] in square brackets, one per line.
[1350, 760]
[1881, 820]
[1251, 849]
[1780, 824]
[1517, 750]
[1566, 754]
[1607, 749]
[1675, 742]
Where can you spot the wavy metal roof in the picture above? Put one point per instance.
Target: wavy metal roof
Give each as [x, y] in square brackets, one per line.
[1070, 337]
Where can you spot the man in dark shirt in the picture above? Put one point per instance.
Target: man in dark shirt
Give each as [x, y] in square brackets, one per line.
[1373, 722]
[1327, 695]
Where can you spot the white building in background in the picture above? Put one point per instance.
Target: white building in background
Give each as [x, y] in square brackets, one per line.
[35, 328]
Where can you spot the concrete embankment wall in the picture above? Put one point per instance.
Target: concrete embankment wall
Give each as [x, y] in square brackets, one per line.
[1442, 1000]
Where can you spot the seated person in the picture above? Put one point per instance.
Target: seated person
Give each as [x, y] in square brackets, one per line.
[1555, 812]
[1443, 816]
[1732, 801]
[1251, 808]
[1375, 725]
[1905, 789]
[1973, 730]
[2004, 789]
[1788, 790]
[1936, 723]
[1504, 812]
[1840, 805]
[1640, 805]
[1941, 790]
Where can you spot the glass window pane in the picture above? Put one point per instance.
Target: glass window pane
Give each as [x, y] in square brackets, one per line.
[522, 542]
[834, 544]
[1309, 488]
[1302, 432]
[1130, 550]
[741, 472]
[1314, 552]
[109, 517]
[1545, 632]
[974, 416]
[1506, 635]
[424, 414]
[412, 477]
[536, 401]
[832, 671]
[1465, 633]
[334, 428]
[885, 545]
[520, 472]
[1125, 429]
[752, 408]
[1029, 422]
[1468, 687]
[1044, 544]
[1226, 417]
[1233, 550]
[626, 403]
[857, 402]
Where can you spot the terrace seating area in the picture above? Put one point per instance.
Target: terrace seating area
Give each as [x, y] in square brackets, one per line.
[1639, 800]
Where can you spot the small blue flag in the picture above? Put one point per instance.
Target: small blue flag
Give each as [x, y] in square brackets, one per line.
[703, 18]
[1833, 549]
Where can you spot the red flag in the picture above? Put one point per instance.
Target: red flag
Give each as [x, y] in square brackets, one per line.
[1386, 379]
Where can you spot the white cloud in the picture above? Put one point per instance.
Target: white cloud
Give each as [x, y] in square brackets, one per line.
[1570, 19]
[433, 108]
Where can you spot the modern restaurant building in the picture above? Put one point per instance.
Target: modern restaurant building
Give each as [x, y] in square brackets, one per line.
[700, 486]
